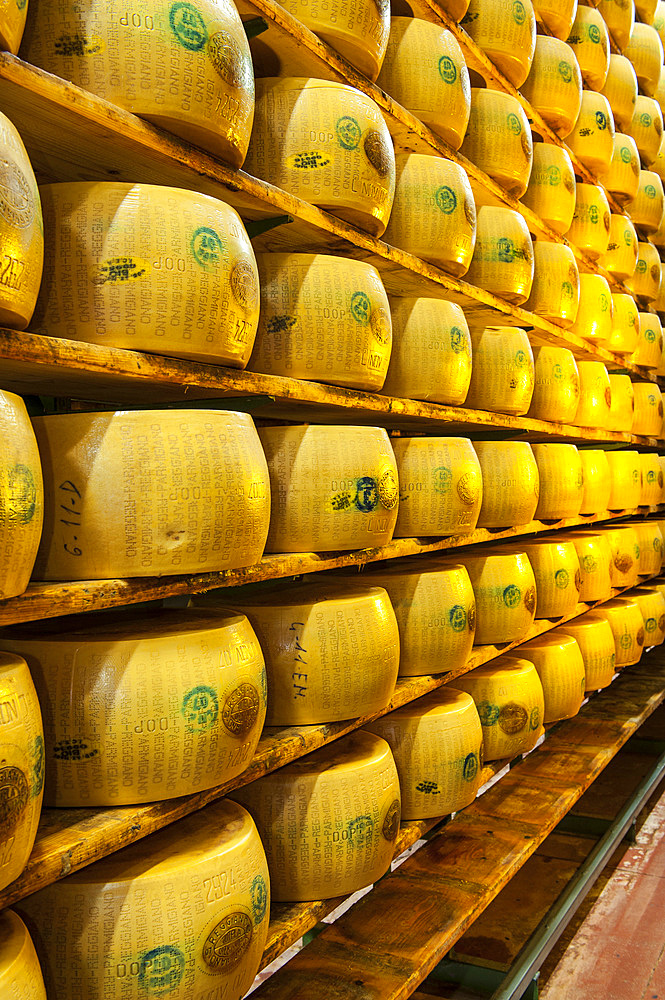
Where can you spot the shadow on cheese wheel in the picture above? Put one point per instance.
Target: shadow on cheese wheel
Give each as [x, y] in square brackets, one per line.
[646, 208]
[556, 15]
[645, 51]
[21, 228]
[625, 476]
[646, 128]
[148, 268]
[595, 395]
[144, 707]
[326, 143]
[506, 33]
[625, 620]
[21, 496]
[360, 32]
[555, 290]
[556, 385]
[649, 347]
[434, 214]
[185, 68]
[650, 542]
[591, 44]
[510, 483]
[597, 481]
[498, 139]
[503, 258]
[150, 493]
[551, 190]
[324, 318]
[620, 87]
[590, 228]
[594, 555]
[593, 320]
[502, 376]
[623, 338]
[625, 556]
[505, 588]
[595, 640]
[164, 913]
[556, 568]
[648, 409]
[652, 605]
[20, 972]
[560, 472]
[652, 479]
[645, 283]
[346, 798]
[437, 745]
[620, 20]
[621, 257]
[431, 351]
[560, 667]
[646, 10]
[440, 486]
[510, 702]
[333, 487]
[553, 87]
[622, 177]
[424, 70]
[621, 410]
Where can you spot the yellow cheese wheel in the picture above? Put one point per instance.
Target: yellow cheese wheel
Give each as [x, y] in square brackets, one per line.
[12, 24]
[646, 128]
[646, 208]
[556, 15]
[333, 487]
[619, 18]
[659, 20]
[595, 395]
[652, 479]
[560, 666]
[503, 258]
[620, 87]
[510, 702]
[592, 135]
[431, 351]
[590, 228]
[623, 339]
[359, 30]
[597, 482]
[591, 44]
[551, 190]
[437, 745]
[184, 67]
[648, 412]
[21, 228]
[144, 707]
[622, 178]
[596, 642]
[324, 318]
[645, 51]
[434, 214]
[646, 10]
[554, 84]
[21, 496]
[645, 283]
[438, 92]
[498, 139]
[555, 290]
[20, 973]
[650, 542]
[594, 312]
[594, 555]
[621, 410]
[626, 479]
[556, 385]
[649, 347]
[148, 268]
[505, 589]
[560, 472]
[326, 143]
[502, 376]
[625, 555]
[556, 568]
[510, 483]
[506, 31]
[440, 486]
[625, 620]
[328, 822]
[652, 605]
[621, 257]
[183, 913]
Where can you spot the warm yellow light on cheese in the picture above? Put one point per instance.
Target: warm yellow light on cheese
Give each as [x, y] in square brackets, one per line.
[661, 462]
[556, 15]
[652, 605]
[556, 385]
[303, 295]
[148, 268]
[456, 8]
[560, 666]
[438, 93]
[621, 257]
[590, 228]
[498, 139]
[646, 128]
[328, 822]
[503, 258]
[622, 178]
[659, 306]
[646, 10]
[621, 410]
[619, 18]
[625, 475]
[434, 214]
[333, 487]
[510, 483]
[658, 165]
[592, 135]
[595, 555]
[502, 376]
[12, 24]
[144, 707]
[625, 555]
[652, 479]
[560, 471]
[658, 237]
[596, 642]
[650, 542]
[659, 20]
[595, 395]
[554, 84]
[645, 283]
[625, 327]
[648, 409]
[625, 620]
[182, 913]
[21, 496]
[505, 589]
[646, 208]
[150, 493]
[597, 482]
[437, 745]
[594, 312]
[184, 67]
[591, 44]
[440, 486]
[620, 87]
[555, 290]
[506, 33]
[645, 51]
[431, 351]
[359, 30]
[510, 702]
[20, 972]
[551, 190]
[556, 568]
[326, 143]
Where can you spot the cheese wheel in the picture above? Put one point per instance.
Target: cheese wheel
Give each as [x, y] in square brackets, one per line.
[506, 32]
[620, 86]
[185, 67]
[623, 339]
[597, 482]
[183, 913]
[510, 702]
[560, 667]
[557, 16]
[556, 568]
[21, 768]
[503, 258]
[433, 215]
[553, 87]
[551, 190]
[560, 472]
[619, 18]
[650, 542]
[652, 605]
[594, 555]
[12, 25]
[645, 51]
[505, 589]
[437, 745]
[645, 283]
[646, 128]
[20, 973]
[625, 556]
[148, 268]
[591, 44]
[556, 283]
[622, 178]
[646, 10]
[621, 410]
[502, 376]
[333, 487]
[625, 620]
[659, 20]
[646, 208]
[590, 228]
[510, 483]
[556, 384]
[144, 707]
[431, 351]
[652, 480]
[440, 486]
[359, 30]
[326, 143]
[648, 413]
[498, 139]
[594, 312]
[21, 226]
[329, 821]
[621, 257]
[324, 318]
[21, 496]
[439, 93]
[595, 639]
[595, 395]
[626, 479]
[592, 135]
[649, 347]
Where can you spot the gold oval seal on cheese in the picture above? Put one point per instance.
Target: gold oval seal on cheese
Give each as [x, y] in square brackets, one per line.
[440, 486]
[20, 972]
[505, 589]
[560, 666]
